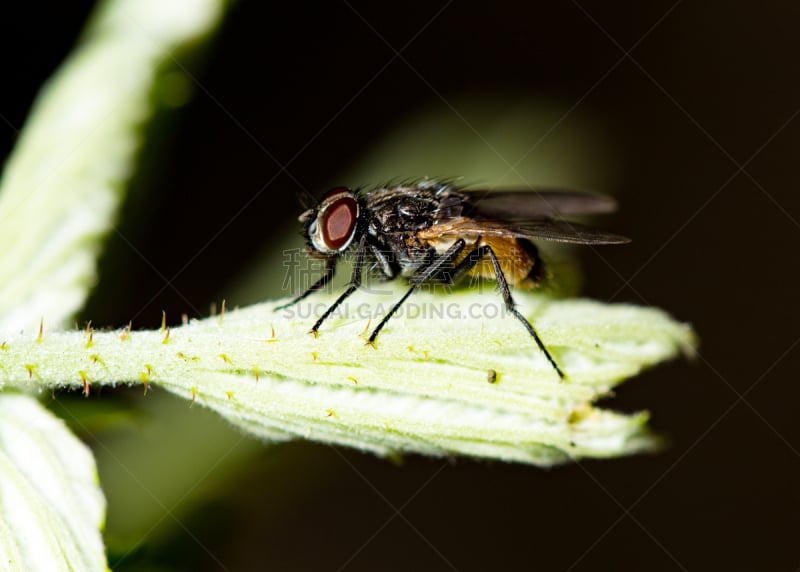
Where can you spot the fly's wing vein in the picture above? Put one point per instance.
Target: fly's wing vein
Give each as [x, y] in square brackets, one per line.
[542, 229]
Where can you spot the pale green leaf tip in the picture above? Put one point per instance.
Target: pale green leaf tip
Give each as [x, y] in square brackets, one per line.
[425, 388]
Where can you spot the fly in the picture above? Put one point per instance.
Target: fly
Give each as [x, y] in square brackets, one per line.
[431, 231]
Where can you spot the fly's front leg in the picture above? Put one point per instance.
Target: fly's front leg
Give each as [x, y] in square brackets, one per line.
[424, 274]
[474, 258]
[330, 269]
[384, 262]
[355, 282]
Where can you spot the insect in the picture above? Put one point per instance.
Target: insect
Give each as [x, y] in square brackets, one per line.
[431, 231]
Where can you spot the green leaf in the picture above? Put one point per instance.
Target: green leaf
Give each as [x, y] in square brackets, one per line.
[51, 506]
[424, 389]
[59, 194]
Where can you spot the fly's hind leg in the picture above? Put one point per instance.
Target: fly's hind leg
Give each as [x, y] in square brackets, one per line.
[474, 258]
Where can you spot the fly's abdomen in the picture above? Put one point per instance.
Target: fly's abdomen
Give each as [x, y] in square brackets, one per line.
[519, 260]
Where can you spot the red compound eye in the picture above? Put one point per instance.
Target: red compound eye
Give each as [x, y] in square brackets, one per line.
[338, 221]
[335, 191]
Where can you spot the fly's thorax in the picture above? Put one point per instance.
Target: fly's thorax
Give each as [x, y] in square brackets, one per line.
[410, 208]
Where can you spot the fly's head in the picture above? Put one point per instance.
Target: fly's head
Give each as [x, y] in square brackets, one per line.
[331, 226]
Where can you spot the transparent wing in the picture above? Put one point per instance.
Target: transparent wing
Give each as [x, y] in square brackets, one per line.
[544, 229]
[537, 203]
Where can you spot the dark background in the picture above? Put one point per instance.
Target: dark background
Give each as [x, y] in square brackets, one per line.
[702, 111]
